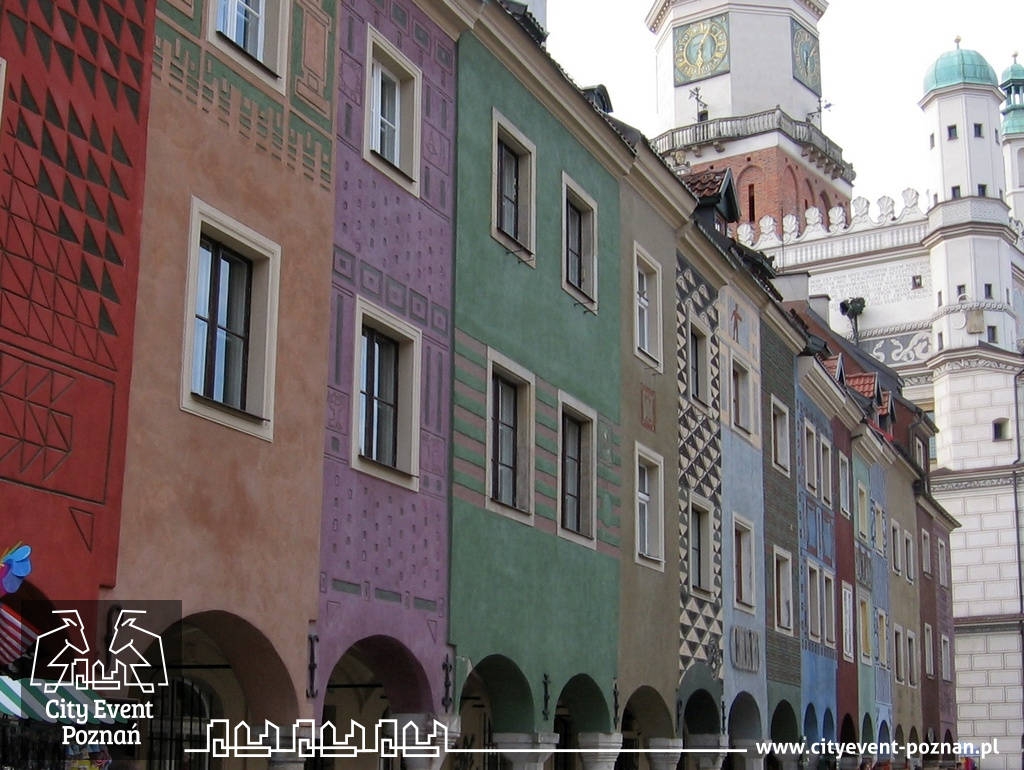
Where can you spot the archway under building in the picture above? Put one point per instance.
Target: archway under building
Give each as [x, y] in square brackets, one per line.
[645, 716]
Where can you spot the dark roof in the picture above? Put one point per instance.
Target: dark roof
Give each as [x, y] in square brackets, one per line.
[705, 184]
[521, 13]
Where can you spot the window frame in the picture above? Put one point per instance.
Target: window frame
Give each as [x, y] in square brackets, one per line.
[909, 562]
[653, 354]
[523, 243]
[943, 563]
[264, 256]
[844, 485]
[883, 637]
[829, 604]
[741, 389]
[650, 460]
[825, 470]
[929, 651]
[744, 593]
[270, 62]
[570, 408]
[409, 339]
[811, 457]
[896, 548]
[865, 623]
[779, 409]
[900, 655]
[576, 198]
[926, 552]
[849, 630]
[913, 676]
[384, 57]
[501, 366]
[698, 360]
[946, 658]
[700, 510]
[814, 626]
[879, 517]
[863, 522]
[783, 582]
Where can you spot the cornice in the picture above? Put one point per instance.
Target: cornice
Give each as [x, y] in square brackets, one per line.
[888, 331]
[973, 362]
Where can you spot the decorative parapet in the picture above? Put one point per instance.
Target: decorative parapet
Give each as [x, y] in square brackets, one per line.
[865, 233]
[675, 143]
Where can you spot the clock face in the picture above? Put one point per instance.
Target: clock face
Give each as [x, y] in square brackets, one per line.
[701, 49]
[806, 58]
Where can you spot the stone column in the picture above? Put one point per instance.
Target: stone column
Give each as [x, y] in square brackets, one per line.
[752, 760]
[442, 739]
[526, 751]
[669, 752]
[603, 750]
[708, 760]
[289, 735]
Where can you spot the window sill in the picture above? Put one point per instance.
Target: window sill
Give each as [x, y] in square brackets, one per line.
[234, 411]
[513, 512]
[514, 246]
[587, 541]
[648, 359]
[783, 469]
[227, 416]
[264, 69]
[387, 473]
[703, 593]
[580, 296]
[783, 630]
[395, 173]
[655, 563]
[743, 606]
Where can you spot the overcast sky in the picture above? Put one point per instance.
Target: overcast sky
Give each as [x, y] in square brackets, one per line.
[874, 54]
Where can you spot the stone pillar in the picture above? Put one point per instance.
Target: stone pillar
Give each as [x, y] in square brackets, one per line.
[752, 760]
[442, 739]
[526, 751]
[289, 736]
[672, 748]
[603, 750]
[707, 760]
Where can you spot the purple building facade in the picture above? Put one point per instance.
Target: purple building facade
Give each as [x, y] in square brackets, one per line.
[383, 629]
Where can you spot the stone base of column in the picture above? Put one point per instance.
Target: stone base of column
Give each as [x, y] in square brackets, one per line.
[669, 751]
[526, 751]
[707, 760]
[603, 750]
[753, 760]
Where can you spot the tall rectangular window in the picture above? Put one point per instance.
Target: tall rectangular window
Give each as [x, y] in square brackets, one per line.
[900, 653]
[895, 547]
[574, 244]
[697, 365]
[577, 468]
[946, 658]
[810, 457]
[883, 638]
[844, 485]
[508, 190]
[783, 591]
[221, 346]
[929, 651]
[579, 243]
[572, 474]
[848, 633]
[862, 513]
[926, 552]
[513, 189]
[378, 398]
[909, 562]
[700, 545]
[649, 505]
[813, 601]
[505, 454]
[829, 602]
[242, 21]
[643, 311]
[741, 397]
[780, 435]
[826, 472]
[743, 563]
[386, 107]
[864, 620]
[912, 659]
[943, 564]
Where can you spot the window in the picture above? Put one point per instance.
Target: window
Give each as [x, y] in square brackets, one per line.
[862, 512]
[926, 552]
[649, 505]
[577, 469]
[929, 651]
[697, 364]
[879, 516]
[741, 407]
[988, 291]
[579, 243]
[513, 191]
[780, 435]
[912, 658]
[932, 448]
[700, 544]
[810, 457]
[895, 546]
[1000, 429]
[826, 472]
[939, 343]
[242, 22]
[920, 454]
[848, 621]
[916, 282]
[931, 141]
[982, 190]
[251, 31]
[946, 658]
[231, 323]
[951, 132]
[844, 485]
[883, 639]
[955, 192]
[991, 334]
[864, 618]
[385, 442]
[647, 291]
[510, 437]
[829, 601]
[909, 561]
[943, 564]
[813, 602]
[939, 298]
[783, 591]
[900, 654]
[392, 128]
[743, 561]
[961, 292]
[978, 131]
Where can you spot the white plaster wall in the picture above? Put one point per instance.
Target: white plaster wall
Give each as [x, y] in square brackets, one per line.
[966, 161]
[989, 694]
[966, 404]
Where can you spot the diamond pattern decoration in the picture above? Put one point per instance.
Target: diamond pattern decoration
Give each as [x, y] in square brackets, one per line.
[700, 456]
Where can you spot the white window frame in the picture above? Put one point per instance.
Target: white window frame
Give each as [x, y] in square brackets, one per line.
[865, 623]
[649, 302]
[503, 131]
[574, 194]
[269, 63]
[926, 552]
[741, 395]
[879, 516]
[814, 602]
[384, 58]
[744, 562]
[863, 516]
[909, 566]
[825, 471]
[699, 507]
[943, 564]
[406, 471]
[257, 419]
[652, 553]
[499, 365]
[912, 659]
[849, 632]
[780, 436]
[900, 654]
[946, 655]
[896, 549]
[929, 651]
[844, 485]
[883, 638]
[587, 417]
[782, 577]
[698, 358]
[810, 457]
[829, 603]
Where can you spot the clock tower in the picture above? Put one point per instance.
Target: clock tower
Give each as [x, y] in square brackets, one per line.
[739, 87]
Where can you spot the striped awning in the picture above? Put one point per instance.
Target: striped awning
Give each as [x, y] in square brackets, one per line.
[22, 700]
[16, 635]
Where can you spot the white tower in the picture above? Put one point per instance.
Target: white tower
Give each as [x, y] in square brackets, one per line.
[1012, 83]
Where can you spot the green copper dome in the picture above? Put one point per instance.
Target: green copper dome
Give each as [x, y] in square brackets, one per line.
[1012, 83]
[1014, 72]
[957, 67]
